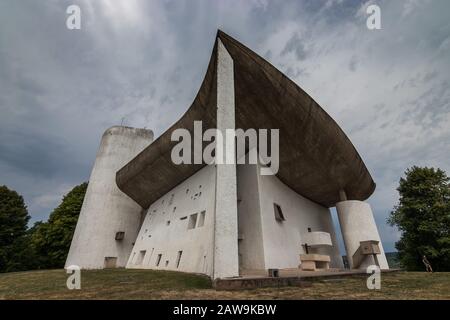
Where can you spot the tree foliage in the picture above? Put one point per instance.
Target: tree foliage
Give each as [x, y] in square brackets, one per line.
[423, 217]
[13, 230]
[51, 240]
[46, 244]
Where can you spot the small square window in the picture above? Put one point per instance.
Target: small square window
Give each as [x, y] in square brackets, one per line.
[278, 213]
[120, 235]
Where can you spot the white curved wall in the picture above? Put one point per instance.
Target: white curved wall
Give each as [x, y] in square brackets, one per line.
[107, 210]
[357, 224]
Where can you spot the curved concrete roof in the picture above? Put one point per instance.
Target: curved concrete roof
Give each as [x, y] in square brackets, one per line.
[316, 157]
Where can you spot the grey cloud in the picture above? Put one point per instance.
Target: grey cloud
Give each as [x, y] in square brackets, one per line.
[295, 73]
[296, 45]
[353, 63]
[33, 154]
[430, 108]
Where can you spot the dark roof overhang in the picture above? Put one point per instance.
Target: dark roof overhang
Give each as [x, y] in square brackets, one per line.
[317, 159]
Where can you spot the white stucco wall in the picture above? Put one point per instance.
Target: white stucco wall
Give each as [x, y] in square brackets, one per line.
[282, 241]
[107, 210]
[156, 236]
[251, 249]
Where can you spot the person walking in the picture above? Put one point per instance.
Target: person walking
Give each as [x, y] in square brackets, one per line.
[427, 264]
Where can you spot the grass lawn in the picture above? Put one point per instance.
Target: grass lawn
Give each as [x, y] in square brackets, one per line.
[149, 284]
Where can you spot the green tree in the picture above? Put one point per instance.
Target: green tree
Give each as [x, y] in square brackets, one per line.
[423, 217]
[51, 240]
[13, 229]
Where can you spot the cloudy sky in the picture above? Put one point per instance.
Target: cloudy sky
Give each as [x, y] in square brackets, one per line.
[142, 62]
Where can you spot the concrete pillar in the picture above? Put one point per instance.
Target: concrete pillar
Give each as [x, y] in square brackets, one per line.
[342, 195]
[226, 260]
[357, 224]
[106, 210]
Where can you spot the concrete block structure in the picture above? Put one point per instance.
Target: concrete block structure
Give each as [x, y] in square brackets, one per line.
[224, 220]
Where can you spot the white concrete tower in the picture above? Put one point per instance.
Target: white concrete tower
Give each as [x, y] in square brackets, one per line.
[109, 220]
[357, 225]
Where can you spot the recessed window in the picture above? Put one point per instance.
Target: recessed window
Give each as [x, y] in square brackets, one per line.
[187, 191]
[201, 219]
[183, 218]
[110, 262]
[140, 257]
[278, 213]
[120, 235]
[309, 229]
[158, 259]
[171, 199]
[192, 221]
[174, 208]
[168, 222]
[179, 258]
